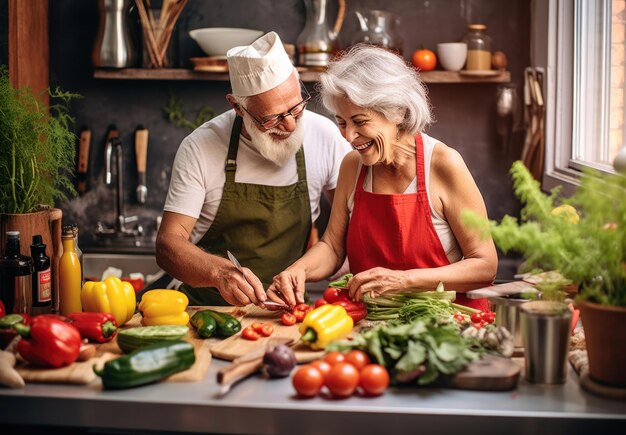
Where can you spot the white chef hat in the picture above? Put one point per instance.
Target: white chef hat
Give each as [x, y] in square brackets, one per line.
[258, 67]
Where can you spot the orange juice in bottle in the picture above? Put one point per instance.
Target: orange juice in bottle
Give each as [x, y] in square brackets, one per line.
[69, 275]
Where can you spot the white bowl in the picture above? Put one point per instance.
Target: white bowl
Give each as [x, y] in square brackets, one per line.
[452, 55]
[216, 41]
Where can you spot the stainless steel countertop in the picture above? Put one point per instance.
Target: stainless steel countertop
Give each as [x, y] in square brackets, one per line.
[258, 406]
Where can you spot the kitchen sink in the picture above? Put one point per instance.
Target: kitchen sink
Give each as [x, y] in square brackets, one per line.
[95, 264]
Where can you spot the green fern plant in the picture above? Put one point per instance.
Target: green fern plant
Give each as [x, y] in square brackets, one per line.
[37, 148]
[587, 247]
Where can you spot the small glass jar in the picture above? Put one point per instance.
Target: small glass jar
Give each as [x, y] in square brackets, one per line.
[478, 48]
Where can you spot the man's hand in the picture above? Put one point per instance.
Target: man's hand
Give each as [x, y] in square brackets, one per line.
[288, 287]
[240, 289]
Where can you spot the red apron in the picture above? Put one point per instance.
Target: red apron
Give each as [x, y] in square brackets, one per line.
[396, 231]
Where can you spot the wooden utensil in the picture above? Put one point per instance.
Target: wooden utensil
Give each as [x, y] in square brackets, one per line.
[141, 151]
[83, 158]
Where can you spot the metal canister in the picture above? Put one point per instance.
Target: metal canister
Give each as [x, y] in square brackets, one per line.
[508, 315]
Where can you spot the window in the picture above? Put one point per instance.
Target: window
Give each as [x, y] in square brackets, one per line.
[582, 45]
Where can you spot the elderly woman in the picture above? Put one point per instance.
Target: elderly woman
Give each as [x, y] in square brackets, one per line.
[397, 208]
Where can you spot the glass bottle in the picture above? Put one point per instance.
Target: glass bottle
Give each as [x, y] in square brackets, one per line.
[478, 48]
[79, 252]
[16, 272]
[42, 277]
[69, 275]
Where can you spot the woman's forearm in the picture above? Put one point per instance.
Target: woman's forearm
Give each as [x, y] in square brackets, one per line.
[462, 276]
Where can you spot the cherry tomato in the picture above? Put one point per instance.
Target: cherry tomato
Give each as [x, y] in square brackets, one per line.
[488, 317]
[257, 326]
[288, 319]
[334, 357]
[323, 367]
[250, 334]
[357, 358]
[307, 381]
[300, 315]
[424, 59]
[459, 317]
[342, 379]
[476, 318]
[302, 307]
[320, 302]
[374, 379]
[266, 330]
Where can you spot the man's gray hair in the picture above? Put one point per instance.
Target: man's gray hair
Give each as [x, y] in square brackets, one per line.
[376, 79]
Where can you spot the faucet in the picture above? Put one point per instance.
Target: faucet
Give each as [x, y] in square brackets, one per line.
[114, 149]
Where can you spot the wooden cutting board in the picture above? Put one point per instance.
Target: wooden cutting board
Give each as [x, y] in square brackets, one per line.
[82, 372]
[235, 346]
[491, 373]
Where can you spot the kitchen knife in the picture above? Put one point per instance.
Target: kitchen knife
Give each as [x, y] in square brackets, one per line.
[83, 158]
[141, 150]
[273, 306]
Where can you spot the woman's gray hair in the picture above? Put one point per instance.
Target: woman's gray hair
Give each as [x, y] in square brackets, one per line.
[376, 79]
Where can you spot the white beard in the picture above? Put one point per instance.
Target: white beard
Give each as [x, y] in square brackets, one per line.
[276, 151]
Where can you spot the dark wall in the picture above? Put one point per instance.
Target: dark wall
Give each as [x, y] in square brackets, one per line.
[465, 114]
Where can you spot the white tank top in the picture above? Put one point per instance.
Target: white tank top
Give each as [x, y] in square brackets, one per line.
[446, 236]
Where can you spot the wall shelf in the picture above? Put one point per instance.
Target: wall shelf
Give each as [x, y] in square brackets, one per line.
[306, 75]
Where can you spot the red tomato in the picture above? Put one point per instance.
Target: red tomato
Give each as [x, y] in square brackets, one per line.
[374, 379]
[266, 330]
[488, 317]
[424, 59]
[288, 319]
[250, 334]
[342, 379]
[300, 315]
[320, 302]
[476, 318]
[323, 367]
[307, 381]
[302, 307]
[334, 357]
[357, 358]
[459, 317]
[257, 326]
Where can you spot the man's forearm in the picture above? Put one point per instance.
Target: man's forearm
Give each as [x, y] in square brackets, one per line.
[185, 261]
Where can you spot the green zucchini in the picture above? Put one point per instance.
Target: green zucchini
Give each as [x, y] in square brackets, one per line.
[204, 323]
[227, 325]
[134, 338]
[147, 365]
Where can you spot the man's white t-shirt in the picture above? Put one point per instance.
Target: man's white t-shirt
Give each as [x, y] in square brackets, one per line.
[198, 173]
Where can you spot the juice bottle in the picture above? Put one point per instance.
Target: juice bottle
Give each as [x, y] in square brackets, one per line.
[42, 277]
[69, 275]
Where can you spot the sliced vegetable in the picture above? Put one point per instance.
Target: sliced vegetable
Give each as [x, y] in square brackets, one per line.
[147, 365]
[250, 334]
[288, 319]
[204, 323]
[132, 339]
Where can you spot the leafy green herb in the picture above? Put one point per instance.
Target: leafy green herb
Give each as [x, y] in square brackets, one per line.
[38, 148]
[342, 282]
[175, 114]
[421, 350]
[587, 247]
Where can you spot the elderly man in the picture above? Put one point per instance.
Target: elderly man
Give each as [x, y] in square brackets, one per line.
[250, 182]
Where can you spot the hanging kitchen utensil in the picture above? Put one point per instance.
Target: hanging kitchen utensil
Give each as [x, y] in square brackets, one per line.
[141, 150]
[534, 144]
[83, 158]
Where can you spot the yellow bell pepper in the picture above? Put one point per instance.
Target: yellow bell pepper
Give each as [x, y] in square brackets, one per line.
[325, 324]
[110, 296]
[164, 307]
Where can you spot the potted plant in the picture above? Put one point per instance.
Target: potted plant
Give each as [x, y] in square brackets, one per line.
[584, 239]
[36, 160]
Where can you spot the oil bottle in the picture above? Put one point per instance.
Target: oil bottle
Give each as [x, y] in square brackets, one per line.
[16, 272]
[42, 277]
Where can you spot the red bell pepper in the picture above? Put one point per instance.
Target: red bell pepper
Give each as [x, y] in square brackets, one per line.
[100, 327]
[48, 342]
[3, 310]
[334, 294]
[340, 296]
[7, 332]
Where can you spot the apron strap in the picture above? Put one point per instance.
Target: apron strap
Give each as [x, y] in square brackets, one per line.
[233, 147]
[301, 163]
[419, 163]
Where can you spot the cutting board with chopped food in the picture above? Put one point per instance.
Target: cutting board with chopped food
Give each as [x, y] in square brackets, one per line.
[82, 372]
[236, 346]
[490, 373]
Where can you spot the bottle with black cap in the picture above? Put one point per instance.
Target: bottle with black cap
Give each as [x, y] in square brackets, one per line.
[16, 272]
[42, 277]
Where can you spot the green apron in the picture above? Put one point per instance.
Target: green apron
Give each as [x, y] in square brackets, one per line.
[266, 227]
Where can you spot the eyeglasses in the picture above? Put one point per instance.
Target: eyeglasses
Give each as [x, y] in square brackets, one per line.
[295, 111]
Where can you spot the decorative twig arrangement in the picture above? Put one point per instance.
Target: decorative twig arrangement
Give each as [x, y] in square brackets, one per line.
[157, 32]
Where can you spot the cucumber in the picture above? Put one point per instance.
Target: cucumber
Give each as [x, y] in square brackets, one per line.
[134, 338]
[227, 325]
[147, 365]
[204, 323]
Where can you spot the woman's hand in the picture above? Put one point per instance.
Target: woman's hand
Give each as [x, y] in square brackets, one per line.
[288, 287]
[376, 281]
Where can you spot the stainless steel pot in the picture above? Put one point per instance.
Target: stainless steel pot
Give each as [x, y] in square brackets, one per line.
[508, 315]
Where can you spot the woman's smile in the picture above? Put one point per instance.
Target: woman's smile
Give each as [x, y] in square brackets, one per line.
[363, 147]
